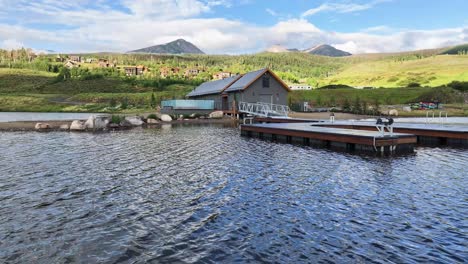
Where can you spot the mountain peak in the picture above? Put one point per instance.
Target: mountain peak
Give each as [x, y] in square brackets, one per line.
[327, 50]
[178, 46]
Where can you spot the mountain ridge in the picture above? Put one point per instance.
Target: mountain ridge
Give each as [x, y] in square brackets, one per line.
[179, 46]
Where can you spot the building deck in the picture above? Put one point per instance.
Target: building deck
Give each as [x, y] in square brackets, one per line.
[339, 138]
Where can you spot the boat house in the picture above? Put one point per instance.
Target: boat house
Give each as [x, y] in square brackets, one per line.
[257, 86]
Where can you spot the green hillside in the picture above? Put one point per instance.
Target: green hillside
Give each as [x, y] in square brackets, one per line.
[396, 72]
[30, 83]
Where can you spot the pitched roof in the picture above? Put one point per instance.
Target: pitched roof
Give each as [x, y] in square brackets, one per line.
[245, 80]
[214, 87]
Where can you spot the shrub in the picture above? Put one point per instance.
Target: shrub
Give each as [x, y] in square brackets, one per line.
[152, 116]
[460, 86]
[413, 84]
[116, 119]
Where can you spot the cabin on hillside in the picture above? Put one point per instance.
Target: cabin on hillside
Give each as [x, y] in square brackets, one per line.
[222, 75]
[59, 58]
[103, 63]
[257, 86]
[135, 70]
[76, 58]
[72, 64]
[168, 71]
[192, 72]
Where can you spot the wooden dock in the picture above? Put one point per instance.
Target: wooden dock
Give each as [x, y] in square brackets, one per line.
[334, 138]
[427, 134]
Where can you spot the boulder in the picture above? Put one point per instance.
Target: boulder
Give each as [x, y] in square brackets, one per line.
[125, 123]
[41, 126]
[78, 125]
[393, 112]
[166, 118]
[216, 114]
[113, 125]
[97, 122]
[152, 121]
[64, 127]
[134, 120]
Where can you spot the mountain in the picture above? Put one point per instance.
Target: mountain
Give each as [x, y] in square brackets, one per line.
[327, 50]
[277, 49]
[179, 46]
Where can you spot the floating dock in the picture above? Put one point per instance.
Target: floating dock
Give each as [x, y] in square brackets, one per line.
[427, 134]
[330, 137]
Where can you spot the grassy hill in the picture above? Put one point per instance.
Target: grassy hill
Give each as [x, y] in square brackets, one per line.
[394, 72]
[45, 85]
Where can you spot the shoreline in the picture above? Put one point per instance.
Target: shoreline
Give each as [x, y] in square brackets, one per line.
[19, 126]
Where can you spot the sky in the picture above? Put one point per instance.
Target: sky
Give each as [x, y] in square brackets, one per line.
[233, 27]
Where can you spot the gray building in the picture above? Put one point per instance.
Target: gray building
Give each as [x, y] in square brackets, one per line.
[257, 86]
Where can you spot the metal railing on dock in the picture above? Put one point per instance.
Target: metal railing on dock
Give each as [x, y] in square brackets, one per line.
[441, 119]
[264, 109]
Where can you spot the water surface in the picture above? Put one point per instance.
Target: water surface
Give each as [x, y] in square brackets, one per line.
[31, 116]
[205, 194]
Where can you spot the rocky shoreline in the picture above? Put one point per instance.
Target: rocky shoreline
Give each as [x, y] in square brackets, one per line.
[108, 123]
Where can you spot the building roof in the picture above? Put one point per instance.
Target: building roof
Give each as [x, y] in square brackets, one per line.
[214, 87]
[235, 83]
[245, 80]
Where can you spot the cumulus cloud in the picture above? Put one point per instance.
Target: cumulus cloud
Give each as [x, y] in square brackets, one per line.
[89, 26]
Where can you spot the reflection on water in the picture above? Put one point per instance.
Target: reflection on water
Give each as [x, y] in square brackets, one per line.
[205, 194]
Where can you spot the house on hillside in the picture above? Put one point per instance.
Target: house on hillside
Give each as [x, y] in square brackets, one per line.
[222, 75]
[135, 70]
[76, 58]
[72, 64]
[168, 71]
[257, 86]
[103, 63]
[300, 87]
[191, 72]
[59, 58]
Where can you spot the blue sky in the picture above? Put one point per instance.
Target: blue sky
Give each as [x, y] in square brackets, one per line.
[233, 27]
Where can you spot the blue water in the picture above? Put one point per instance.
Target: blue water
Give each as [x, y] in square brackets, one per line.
[205, 194]
[31, 116]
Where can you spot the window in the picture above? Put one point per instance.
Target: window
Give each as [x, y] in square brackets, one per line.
[266, 81]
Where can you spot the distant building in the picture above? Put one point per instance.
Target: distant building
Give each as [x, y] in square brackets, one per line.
[192, 72]
[300, 87]
[222, 75]
[169, 71]
[103, 63]
[59, 59]
[257, 86]
[135, 70]
[72, 64]
[90, 60]
[76, 58]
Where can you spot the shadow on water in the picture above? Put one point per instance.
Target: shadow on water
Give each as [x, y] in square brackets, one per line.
[198, 193]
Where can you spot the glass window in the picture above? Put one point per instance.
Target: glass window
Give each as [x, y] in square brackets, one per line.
[266, 82]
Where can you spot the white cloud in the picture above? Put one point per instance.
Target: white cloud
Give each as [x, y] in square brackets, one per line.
[11, 44]
[271, 12]
[342, 7]
[88, 26]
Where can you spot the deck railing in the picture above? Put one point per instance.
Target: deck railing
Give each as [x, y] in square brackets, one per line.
[264, 109]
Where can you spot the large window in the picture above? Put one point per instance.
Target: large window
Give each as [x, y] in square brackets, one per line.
[266, 81]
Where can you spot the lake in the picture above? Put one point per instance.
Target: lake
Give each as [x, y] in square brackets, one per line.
[205, 194]
[31, 116]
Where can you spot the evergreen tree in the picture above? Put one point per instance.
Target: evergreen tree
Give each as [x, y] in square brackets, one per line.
[153, 101]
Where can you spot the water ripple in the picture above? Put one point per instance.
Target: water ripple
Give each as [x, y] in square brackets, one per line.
[204, 194]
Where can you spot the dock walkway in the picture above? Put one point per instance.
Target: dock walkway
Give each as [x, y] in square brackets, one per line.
[339, 138]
